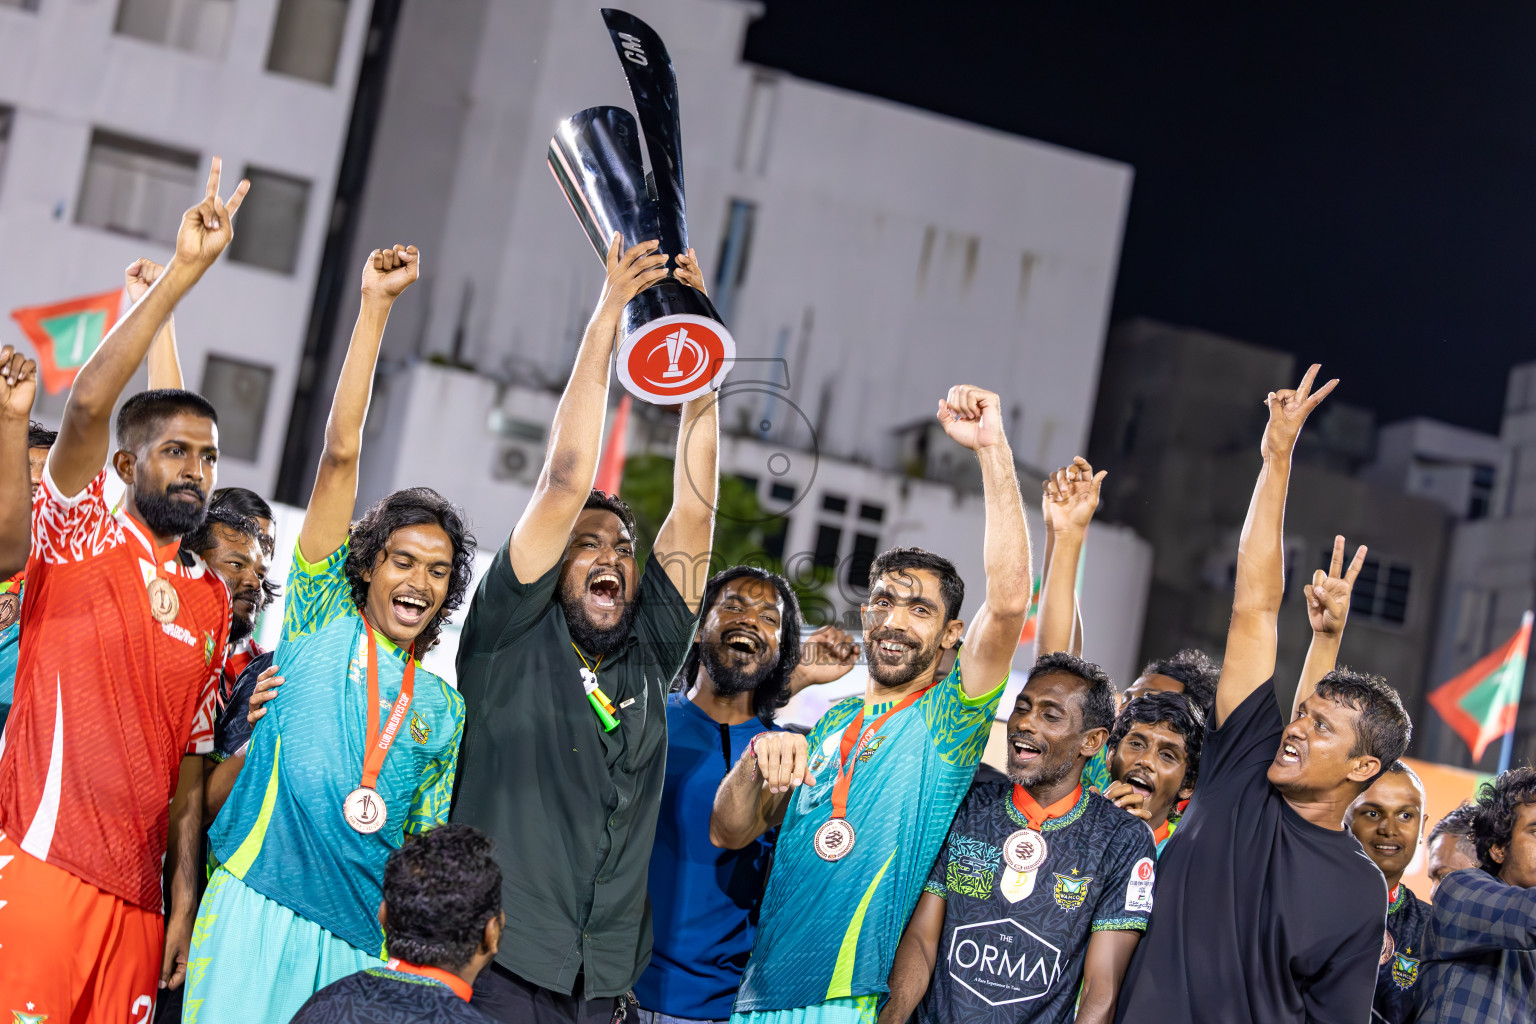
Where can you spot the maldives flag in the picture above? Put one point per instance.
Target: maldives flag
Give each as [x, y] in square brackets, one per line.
[1032, 621]
[610, 466]
[1480, 703]
[65, 334]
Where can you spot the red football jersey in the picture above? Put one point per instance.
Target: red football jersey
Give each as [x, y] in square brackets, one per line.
[107, 699]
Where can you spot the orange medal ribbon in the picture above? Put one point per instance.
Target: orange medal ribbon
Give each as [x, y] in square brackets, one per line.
[1036, 815]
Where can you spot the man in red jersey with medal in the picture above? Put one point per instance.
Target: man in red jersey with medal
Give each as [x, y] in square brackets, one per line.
[121, 648]
[867, 799]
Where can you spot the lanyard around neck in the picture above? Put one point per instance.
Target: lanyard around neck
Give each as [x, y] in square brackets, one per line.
[854, 740]
[379, 743]
[1036, 815]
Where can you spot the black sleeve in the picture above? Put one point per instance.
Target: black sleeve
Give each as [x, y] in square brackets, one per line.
[231, 732]
[1248, 738]
[504, 608]
[664, 624]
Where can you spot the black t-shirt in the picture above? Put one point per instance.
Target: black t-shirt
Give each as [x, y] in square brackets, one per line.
[1407, 917]
[232, 731]
[572, 809]
[381, 996]
[1261, 915]
[1013, 942]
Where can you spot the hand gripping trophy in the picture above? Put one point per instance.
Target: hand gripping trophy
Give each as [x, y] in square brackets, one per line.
[673, 346]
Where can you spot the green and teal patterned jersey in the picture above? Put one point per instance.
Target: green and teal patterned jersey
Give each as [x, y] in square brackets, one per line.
[282, 831]
[829, 930]
[10, 641]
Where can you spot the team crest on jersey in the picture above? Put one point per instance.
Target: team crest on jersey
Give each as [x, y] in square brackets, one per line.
[1071, 890]
[870, 748]
[1405, 970]
[419, 731]
[207, 648]
[18, 1017]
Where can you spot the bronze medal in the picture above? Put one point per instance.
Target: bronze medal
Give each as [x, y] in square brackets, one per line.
[10, 610]
[834, 840]
[164, 602]
[1388, 947]
[1025, 850]
[364, 810]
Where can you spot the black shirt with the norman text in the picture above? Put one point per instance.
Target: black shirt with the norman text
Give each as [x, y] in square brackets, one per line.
[1261, 915]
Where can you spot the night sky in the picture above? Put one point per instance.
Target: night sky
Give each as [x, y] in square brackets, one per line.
[1355, 183]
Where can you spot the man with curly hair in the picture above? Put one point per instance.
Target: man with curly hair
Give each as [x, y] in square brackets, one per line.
[1480, 949]
[1155, 759]
[567, 655]
[746, 661]
[442, 914]
[357, 752]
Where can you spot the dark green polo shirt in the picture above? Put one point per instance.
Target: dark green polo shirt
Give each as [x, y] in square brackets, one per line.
[572, 809]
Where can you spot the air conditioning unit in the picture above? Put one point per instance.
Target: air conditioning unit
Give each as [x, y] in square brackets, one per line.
[519, 448]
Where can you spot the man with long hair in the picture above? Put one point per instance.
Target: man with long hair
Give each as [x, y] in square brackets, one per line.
[746, 661]
[357, 749]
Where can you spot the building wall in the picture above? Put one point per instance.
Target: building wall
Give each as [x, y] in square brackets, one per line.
[66, 72]
[1177, 425]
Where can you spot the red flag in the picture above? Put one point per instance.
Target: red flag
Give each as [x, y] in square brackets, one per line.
[610, 468]
[1480, 704]
[65, 334]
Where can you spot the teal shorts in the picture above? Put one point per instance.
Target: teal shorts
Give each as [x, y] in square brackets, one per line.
[253, 959]
[851, 1010]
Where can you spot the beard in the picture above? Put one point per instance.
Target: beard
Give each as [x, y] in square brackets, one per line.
[731, 677]
[590, 637]
[167, 516]
[891, 676]
[1039, 772]
[240, 628]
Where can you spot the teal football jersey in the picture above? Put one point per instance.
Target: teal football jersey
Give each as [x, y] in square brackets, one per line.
[282, 831]
[829, 929]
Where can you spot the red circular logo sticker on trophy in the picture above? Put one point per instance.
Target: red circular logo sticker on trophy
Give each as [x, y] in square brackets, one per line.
[675, 358]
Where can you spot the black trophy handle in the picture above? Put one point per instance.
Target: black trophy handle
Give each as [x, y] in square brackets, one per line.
[653, 84]
[595, 158]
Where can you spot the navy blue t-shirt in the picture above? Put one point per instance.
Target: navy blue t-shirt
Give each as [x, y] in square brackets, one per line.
[704, 900]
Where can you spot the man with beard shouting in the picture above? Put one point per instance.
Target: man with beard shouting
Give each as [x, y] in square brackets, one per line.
[746, 662]
[1155, 759]
[565, 662]
[1041, 884]
[867, 799]
[121, 649]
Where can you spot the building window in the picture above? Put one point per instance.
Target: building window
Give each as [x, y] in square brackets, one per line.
[239, 391]
[306, 39]
[873, 513]
[271, 221]
[1381, 590]
[136, 187]
[1482, 492]
[774, 533]
[749, 482]
[832, 503]
[731, 271]
[197, 26]
[859, 561]
[828, 540]
[782, 492]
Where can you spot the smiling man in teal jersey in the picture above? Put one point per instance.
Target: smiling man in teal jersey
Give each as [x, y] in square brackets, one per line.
[358, 748]
[867, 799]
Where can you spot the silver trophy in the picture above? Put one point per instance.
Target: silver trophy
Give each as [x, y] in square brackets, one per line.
[673, 344]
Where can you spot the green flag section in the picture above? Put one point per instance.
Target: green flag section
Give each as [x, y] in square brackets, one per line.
[1480, 703]
[65, 334]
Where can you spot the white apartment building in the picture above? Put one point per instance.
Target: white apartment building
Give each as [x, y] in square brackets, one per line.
[1491, 570]
[109, 113]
